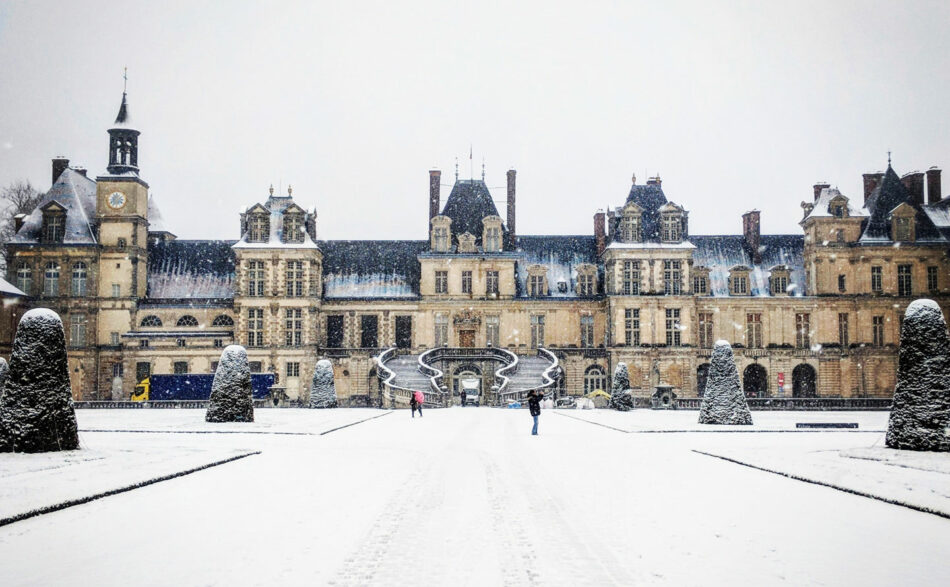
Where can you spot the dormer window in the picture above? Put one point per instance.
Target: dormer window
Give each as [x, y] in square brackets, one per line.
[491, 234]
[903, 229]
[293, 227]
[54, 225]
[587, 280]
[672, 228]
[778, 280]
[259, 228]
[537, 281]
[739, 281]
[630, 228]
[701, 281]
[838, 207]
[441, 238]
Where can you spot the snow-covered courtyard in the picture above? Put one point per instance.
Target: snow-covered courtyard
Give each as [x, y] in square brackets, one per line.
[468, 497]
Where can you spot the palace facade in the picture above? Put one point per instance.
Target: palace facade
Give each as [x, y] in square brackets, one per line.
[812, 313]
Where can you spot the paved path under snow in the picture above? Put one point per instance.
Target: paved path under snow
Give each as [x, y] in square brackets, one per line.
[467, 497]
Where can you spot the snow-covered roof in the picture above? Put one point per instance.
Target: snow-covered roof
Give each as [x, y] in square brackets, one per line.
[720, 253]
[76, 194]
[276, 206]
[561, 256]
[887, 196]
[190, 269]
[156, 223]
[823, 205]
[7, 289]
[371, 269]
[685, 245]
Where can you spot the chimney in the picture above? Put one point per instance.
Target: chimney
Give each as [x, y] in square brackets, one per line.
[81, 171]
[820, 186]
[914, 182]
[750, 235]
[871, 181]
[655, 181]
[435, 186]
[600, 233]
[60, 164]
[933, 185]
[18, 222]
[511, 209]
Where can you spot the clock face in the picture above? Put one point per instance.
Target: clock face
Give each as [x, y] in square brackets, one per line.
[116, 200]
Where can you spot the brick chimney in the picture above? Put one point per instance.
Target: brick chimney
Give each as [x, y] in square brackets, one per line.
[435, 183]
[933, 185]
[750, 235]
[18, 221]
[914, 182]
[818, 187]
[511, 208]
[600, 233]
[871, 181]
[60, 164]
[81, 170]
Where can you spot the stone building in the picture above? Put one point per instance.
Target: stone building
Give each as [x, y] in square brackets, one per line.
[814, 313]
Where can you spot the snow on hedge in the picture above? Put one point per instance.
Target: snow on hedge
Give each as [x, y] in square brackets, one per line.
[920, 413]
[231, 389]
[36, 412]
[723, 400]
[322, 389]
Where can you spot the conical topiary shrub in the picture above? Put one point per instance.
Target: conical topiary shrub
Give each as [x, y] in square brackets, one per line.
[723, 400]
[322, 388]
[231, 390]
[4, 374]
[36, 412]
[621, 398]
[920, 413]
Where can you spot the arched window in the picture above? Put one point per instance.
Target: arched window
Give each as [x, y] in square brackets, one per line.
[594, 379]
[151, 321]
[755, 381]
[222, 320]
[187, 320]
[79, 279]
[702, 376]
[51, 279]
[803, 381]
[24, 278]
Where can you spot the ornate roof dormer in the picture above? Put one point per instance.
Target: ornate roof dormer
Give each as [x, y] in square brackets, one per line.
[278, 223]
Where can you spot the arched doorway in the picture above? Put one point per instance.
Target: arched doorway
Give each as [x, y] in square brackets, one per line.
[467, 371]
[755, 381]
[702, 374]
[803, 381]
[594, 378]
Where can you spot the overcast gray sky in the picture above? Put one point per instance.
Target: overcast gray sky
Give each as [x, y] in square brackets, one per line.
[735, 104]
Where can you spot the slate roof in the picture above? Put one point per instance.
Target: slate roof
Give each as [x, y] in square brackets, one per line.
[7, 289]
[890, 194]
[561, 255]
[470, 202]
[720, 253]
[156, 223]
[122, 119]
[77, 194]
[651, 198]
[276, 205]
[371, 269]
[190, 269]
[823, 205]
[939, 214]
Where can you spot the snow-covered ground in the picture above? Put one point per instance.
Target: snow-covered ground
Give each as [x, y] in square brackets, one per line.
[468, 497]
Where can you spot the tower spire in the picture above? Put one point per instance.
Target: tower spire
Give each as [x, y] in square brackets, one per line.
[125, 79]
[123, 138]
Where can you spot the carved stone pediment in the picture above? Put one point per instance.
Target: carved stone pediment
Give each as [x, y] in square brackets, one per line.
[466, 318]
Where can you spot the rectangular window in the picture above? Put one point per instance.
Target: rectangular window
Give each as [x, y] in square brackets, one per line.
[403, 332]
[255, 366]
[537, 330]
[877, 330]
[255, 278]
[876, 283]
[180, 342]
[55, 227]
[492, 329]
[441, 282]
[671, 278]
[842, 284]
[631, 326]
[672, 327]
[586, 282]
[293, 327]
[117, 370]
[491, 282]
[932, 284]
[904, 285]
[441, 329]
[536, 285]
[79, 279]
[706, 330]
[492, 239]
[77, 330]
[802, 331]
[779, 285]
[587, 331]
[843, 338]
[369, 329]
[441, 239]
[631, 278]
[218, 343]
[335, 332]
[143, 344]
[293, 369]
[51, 280]
[739, 285]
[114, 338]
[116, 290]
[699, 285]
[753, 331]
[294, 277]
[255, 327]
[902, 228]
[181, 367]
[671, 228]
[466, 282]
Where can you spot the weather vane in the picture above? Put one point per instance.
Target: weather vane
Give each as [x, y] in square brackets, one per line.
[125, 79]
